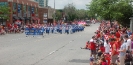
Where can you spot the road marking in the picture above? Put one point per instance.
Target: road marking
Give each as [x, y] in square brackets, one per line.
[51, 52]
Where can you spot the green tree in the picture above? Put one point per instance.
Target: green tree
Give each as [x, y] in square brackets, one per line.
[81, 14]
[119, 10]
[70, 12]
[126, 11]
[4, 12]
[58, 15]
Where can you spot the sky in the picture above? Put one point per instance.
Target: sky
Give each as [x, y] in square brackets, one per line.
[59, 4]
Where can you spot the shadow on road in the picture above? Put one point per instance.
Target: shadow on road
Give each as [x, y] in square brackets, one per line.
[79, 61]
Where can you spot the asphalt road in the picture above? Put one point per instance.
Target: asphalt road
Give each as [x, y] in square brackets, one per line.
[53, 49]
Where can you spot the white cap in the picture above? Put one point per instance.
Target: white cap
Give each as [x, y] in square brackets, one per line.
[91, 40]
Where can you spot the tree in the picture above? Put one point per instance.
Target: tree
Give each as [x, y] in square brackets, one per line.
[70, 12]
[58, 15]
[4, 11]
[126, 11]
[119, 10]
[81, 14]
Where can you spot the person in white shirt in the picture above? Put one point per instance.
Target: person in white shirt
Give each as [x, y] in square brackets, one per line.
[122, 51]
[128, 45]
[107, 46]
[128, 42]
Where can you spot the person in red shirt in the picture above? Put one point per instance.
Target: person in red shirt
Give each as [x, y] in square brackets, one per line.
[87, 46]
[16, 28]
[15, 25]
[93, 47]
[111, 43]
[117, 34]
[9, 28]
[112, 35]
[102, 48]
[107, 57]
[103, 61]
[118, 43]
[98, 35]
[114, 51]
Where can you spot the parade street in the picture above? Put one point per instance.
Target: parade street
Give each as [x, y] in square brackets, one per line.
[53, 49]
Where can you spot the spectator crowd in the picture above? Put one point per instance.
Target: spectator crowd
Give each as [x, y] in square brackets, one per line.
[112, 44]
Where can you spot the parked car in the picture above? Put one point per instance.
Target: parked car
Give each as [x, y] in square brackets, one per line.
[88, 22]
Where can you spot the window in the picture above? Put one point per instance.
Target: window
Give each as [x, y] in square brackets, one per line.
[24, 8]
[28, 8]
[29, 11]
[45, 15]
[14, 6]
[32, 10]
[41, 3]
[19, 8]
[36, 10]
[45, 21]
[3, 3]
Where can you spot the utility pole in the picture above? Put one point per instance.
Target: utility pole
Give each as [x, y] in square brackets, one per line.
[54, 11]
[131, 18]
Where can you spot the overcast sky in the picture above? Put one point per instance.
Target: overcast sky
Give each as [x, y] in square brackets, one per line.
[59, 4]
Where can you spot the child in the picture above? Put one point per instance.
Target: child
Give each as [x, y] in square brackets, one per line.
[86, 46]
[2, 31]
[112, 64]
[102, 48]
[103, 61]
[107, 57]
[95, 64]
[99, 54]
[91, 61]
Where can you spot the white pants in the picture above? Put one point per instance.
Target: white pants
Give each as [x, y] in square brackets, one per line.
[122, 60]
